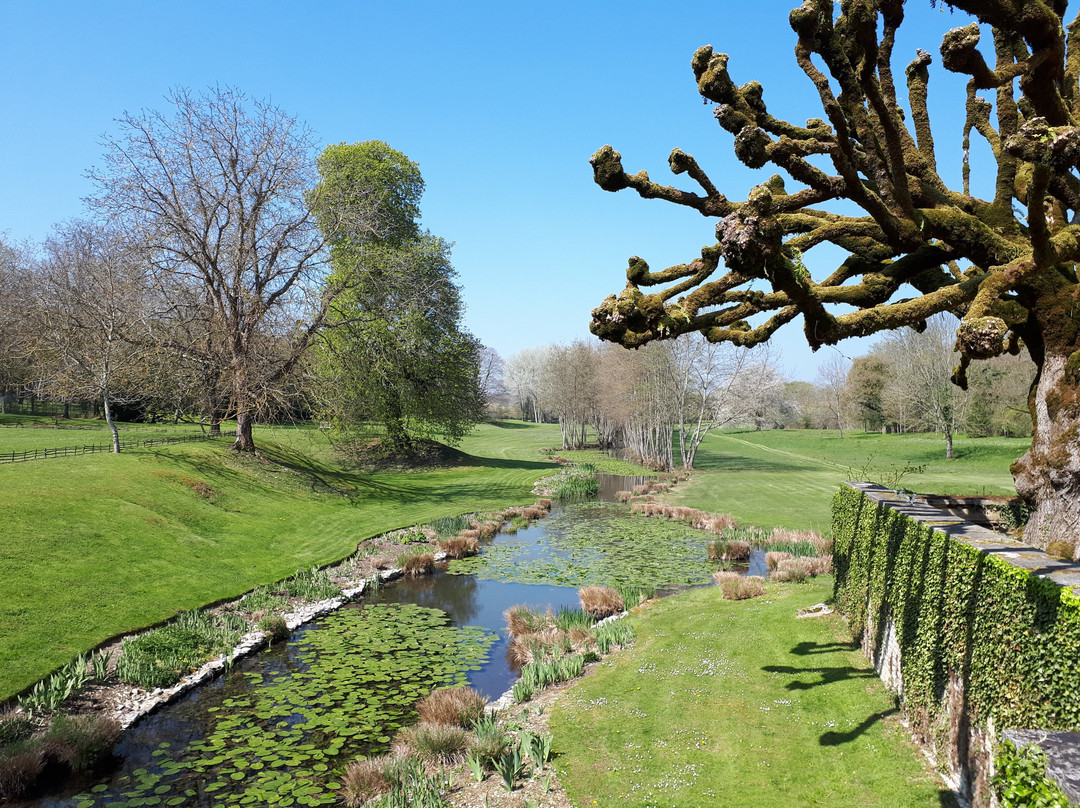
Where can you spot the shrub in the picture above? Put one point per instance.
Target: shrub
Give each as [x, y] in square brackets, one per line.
[415, 564]
[82, 742]
[276, 627]
[600, 601]
[739, 587]
[460, 706]
[20, 766]
[433, 741]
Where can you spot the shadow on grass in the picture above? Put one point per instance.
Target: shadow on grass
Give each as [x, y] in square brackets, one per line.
[826, 676]
[511, 424]
[727, 462]
[808, 648]
[838, 738]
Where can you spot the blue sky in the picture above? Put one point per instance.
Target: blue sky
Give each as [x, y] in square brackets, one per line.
[501, 104]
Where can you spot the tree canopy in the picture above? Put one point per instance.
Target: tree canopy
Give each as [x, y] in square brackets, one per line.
[1005, 265]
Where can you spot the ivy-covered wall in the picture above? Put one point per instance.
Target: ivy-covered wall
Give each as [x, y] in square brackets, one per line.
[984, 644]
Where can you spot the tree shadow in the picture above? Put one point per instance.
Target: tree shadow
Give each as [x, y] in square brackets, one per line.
[512, 424]
[826, 675]
[837, 738]
[808, 648]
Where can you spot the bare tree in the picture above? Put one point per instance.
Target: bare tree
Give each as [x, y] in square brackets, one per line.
[523, 376]
[216, 193]
[15, 326]
[491, 376]
[832, 375]
[923, 364]
[90, 308]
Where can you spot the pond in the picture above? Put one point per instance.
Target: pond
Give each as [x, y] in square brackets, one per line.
[278, 728]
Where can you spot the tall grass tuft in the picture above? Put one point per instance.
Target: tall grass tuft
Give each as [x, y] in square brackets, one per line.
[81, 743]
[617, 632]
[448, 526]
[21, 764]
[567, 619]
[416, 563]
[459, 706]
[160, 658]
[635, 595]
[600, 601]
[436, 742]
[459, 547]
[310, 584]
[739, 587]
[574, 483]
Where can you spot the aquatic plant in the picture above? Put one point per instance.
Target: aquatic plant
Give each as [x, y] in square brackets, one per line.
[523, 691]
[634, 595]
[262, 599]
[460, 547]
[363, 780]
[597, 544]
[774, 557]
[475, 761]
[100, 662]
[568, 618]
[791, 571]
[417, 790]
[571, 483]
[537, 748]
[448, 526]
[349, 687]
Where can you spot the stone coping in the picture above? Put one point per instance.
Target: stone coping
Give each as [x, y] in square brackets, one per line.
[1064, 573]
[1062, 751]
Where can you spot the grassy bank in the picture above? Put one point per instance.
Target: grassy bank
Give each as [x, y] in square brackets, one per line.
[787, 477]
[738, 703]
[99, 545]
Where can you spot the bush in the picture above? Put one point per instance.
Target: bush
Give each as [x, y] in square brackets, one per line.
[459, 706]
[600, 601]
[436, 742]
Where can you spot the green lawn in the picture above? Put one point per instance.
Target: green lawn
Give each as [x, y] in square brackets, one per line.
[98, 545]
[788, 477]
[738, 704]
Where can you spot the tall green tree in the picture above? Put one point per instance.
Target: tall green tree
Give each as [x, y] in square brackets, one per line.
[395, 353]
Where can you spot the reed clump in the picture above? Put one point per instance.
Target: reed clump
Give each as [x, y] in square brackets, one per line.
[459, 706]
[600, 601]
[739, 587]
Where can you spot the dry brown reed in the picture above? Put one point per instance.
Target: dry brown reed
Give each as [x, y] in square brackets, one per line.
[624, 496]
[18, 773]
[489, 529]
[728, 550]
[435, 742]
[414, 566]
[363, 780]
[738, 587]
[521, 620]
[543, 504]
[470, 534]
[460, 706]
[774, 558]
[460, 547]
[600, 601]
[791, 569]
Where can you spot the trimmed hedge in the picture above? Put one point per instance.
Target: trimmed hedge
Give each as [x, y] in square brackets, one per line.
[1011, 637]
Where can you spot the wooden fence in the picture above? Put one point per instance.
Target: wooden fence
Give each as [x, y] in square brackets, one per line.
[68, 451]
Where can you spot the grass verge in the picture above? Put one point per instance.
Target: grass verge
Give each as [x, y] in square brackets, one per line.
[100, 545]
[787, 477]
[738, 703]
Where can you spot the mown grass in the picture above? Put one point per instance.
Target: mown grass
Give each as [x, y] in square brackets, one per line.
[787, 477]
[99, 545]
[738, 703]
[602, 462]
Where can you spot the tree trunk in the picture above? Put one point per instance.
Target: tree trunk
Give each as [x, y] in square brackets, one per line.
[112, 424]
[1048, 476]
[948, 445]
[244, 442]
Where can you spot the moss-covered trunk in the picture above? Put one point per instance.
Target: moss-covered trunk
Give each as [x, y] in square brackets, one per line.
[1048, 476]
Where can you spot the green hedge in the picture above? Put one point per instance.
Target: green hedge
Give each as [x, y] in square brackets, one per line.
[1012, 637]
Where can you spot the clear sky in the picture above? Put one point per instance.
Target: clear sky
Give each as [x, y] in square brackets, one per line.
[501, 104]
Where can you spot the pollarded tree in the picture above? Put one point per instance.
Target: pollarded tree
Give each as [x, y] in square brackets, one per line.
[1006, 265]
